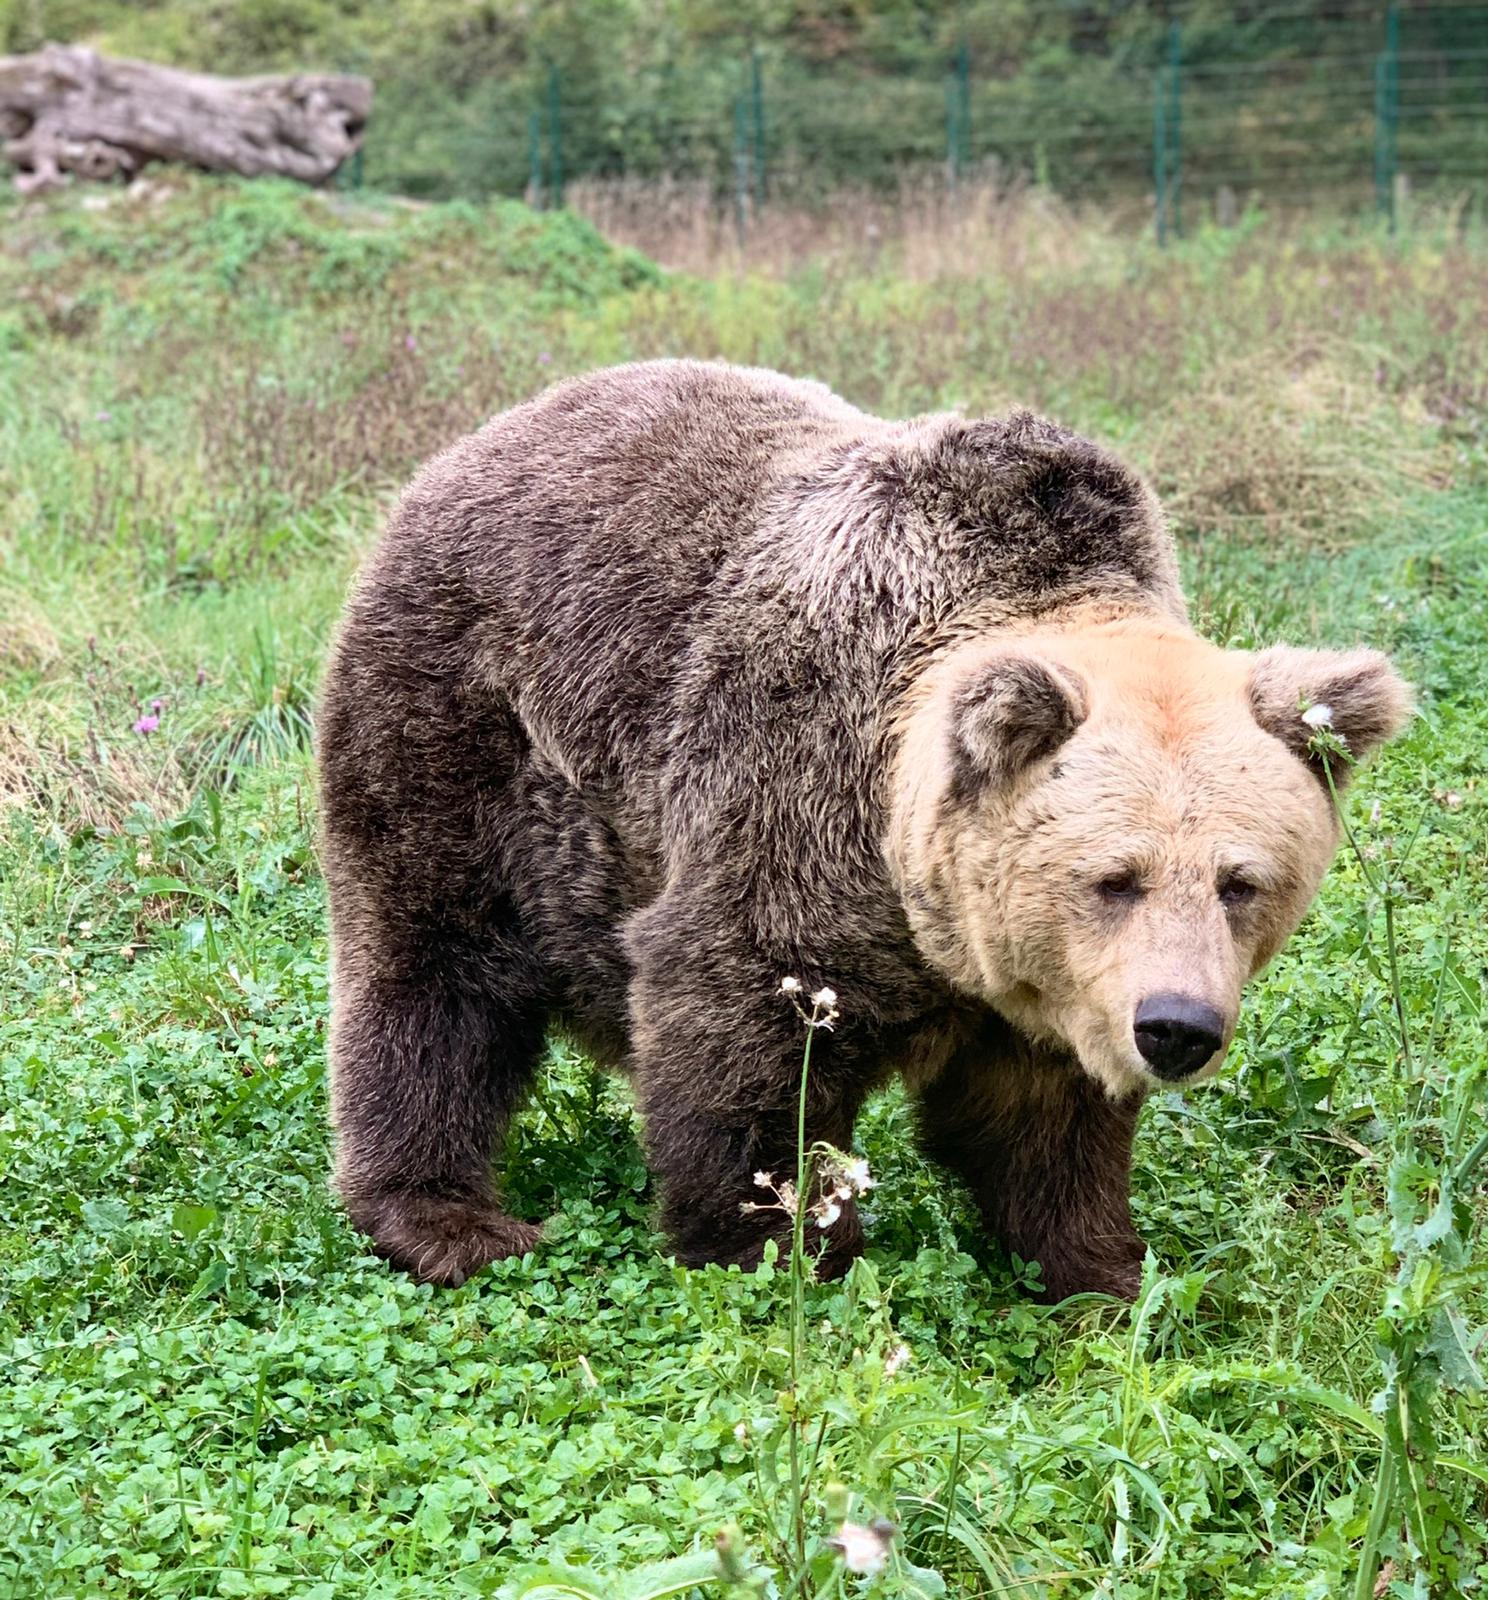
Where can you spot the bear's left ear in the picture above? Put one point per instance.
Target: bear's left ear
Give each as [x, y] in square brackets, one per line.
[1012, 711]
[1356, 694]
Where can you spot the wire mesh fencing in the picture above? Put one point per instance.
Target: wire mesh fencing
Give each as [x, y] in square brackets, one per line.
[1356, 105]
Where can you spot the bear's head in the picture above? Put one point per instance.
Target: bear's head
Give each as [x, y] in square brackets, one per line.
[1104, 833]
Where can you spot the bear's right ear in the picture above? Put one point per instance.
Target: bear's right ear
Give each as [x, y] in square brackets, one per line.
[1012, 711]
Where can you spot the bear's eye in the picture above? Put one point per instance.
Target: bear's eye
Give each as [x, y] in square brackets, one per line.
[1236, 890]
[1119, 887]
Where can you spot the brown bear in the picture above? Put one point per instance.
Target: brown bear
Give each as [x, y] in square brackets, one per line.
[683, 678]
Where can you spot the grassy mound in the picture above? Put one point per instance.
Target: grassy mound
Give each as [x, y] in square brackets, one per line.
[177, 244]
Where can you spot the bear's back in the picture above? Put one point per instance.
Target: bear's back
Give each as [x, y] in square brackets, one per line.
[560, 555]
[591, 557]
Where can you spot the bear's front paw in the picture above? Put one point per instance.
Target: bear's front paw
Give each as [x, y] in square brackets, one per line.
[1118, 1274]
[742, 1243]
[441, 1240]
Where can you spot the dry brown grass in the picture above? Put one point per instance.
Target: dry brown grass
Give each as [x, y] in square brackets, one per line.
[70, 749]
[1309, 449]
[922, 227]
[1293, 380]
[28, 640]
[82, 781]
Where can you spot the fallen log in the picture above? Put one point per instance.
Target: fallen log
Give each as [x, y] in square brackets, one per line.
[65, 109]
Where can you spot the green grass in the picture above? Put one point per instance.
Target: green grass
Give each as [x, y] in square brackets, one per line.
[210, 1388]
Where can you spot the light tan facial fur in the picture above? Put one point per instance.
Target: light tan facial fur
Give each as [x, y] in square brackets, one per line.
[1088, 819]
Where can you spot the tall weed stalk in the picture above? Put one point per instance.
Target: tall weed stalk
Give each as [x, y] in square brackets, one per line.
[1425, 1346]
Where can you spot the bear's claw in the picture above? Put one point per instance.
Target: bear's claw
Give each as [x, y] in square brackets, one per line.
[1117, 1274]
[441, 1240]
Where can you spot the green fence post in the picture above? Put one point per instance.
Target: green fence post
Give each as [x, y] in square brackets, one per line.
[1160, 157]
[757, 142]
[1381, 160]
[1173, 166]
[349, 173]
[953, 139]
[1167, 141]
[741, 170]
[555, 141]
[534, 159]
[958, 116]
[1387, 117]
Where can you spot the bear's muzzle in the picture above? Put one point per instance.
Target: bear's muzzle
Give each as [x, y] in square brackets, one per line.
[1177, 1034]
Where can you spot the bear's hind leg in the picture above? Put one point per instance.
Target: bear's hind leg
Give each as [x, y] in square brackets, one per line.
[1047, 1156]
[427, 1065]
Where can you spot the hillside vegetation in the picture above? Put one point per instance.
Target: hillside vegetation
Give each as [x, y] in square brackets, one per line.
[207, 393]
[473, 98]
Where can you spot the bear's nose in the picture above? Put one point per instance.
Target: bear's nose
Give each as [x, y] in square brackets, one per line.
[1177, 1034]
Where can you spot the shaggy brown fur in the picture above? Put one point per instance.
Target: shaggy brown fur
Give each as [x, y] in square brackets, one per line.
[682, 678]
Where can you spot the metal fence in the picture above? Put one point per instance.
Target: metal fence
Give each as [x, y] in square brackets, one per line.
[1358, 104]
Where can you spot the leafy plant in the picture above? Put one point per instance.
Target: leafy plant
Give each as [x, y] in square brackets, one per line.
[1437, 1147]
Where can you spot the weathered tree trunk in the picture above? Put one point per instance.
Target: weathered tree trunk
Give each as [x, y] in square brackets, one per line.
[67, 109]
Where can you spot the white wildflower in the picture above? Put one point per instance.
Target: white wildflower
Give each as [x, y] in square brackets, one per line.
[1318, 716]
[823, 1009]
[826, 1213]
[823, 1012]
[785, 1196]
[856, 1173]
[899, 1356]
[741, 1432]
[1374, 814]
[864, 1551]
